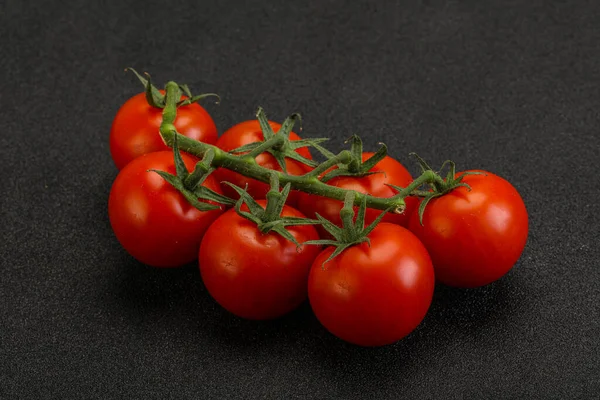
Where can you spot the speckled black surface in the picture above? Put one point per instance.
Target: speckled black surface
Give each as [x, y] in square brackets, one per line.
[511, 86]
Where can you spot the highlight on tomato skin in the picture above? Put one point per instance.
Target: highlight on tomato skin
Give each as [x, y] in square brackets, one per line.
[254, 275]
[474, 236]
[135, 128]
[152, 220]
[249, 132]
[373, 295]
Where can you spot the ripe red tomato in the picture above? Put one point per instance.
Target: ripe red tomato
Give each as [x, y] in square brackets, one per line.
[151, 219]
[254, 275]
[474, 237]
[373, 295]
[135, 128]
[392, 172]
[250, 132]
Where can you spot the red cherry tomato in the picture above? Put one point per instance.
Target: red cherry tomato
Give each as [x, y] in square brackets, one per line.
[255, 275]
[474, 237]
[135, 128]
[249, 132]
[373, 295]
[151, 219]
[391, 172]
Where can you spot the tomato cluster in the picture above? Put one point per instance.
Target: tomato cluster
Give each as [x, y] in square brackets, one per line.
[259, 261]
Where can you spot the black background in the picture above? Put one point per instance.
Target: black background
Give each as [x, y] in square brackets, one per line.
[508, 86]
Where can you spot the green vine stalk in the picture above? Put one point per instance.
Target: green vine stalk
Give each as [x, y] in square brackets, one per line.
[246, 164]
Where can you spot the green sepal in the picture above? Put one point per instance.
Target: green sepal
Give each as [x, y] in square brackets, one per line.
[376, 221]
[356, 167]
[245, 214]
[424, 203]
[413, 193]
[326, 153]
[154, 97]
[198, 176]
[190, 185]
[186, 90]
[338, 250]
[375, 158]
[424, 166]
[206, 193]
[197, 98]
[245, 148]
[297, 144]
[180, 167]
[451, 169]
[280, 229]
[269, 219]
[282, 148]
[280, 160]
[194, 99]
[254, 208]
[189, 196]
[263, 121]
[353, 232]
[296, 156]
[288, 124]
[329, 226]
[279, 199]
[460, 177]
[395, 187]
[439, 186]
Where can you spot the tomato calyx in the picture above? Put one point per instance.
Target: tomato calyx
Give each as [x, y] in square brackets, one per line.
[279, 144]
[438, 186]
[356, 166]
[190, 184]
[158, 100]
[353, 232]
[269, 219]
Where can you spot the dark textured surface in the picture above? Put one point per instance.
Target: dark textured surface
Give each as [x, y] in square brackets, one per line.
[512, 87]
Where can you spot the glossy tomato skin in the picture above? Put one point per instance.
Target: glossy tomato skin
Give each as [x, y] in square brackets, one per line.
[373, 295]
[249, 132]
[391, 172]
[135, 128]
[253, 275]
[474, 237]
[151, 219]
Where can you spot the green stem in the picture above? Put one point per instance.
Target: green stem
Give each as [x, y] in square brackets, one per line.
[172, 96]
[272, 196]
[247, 166]
[421, 193]
[425, 177]
[240, 165]
[347, 212]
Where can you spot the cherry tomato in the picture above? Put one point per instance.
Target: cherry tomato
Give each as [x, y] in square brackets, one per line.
[250, 132]
[151, 219]
[135, 128]
[255, 275]
[391, 172]
[373, 295]
[474, 237]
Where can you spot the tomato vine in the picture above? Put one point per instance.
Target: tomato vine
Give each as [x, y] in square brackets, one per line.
[246, 165]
